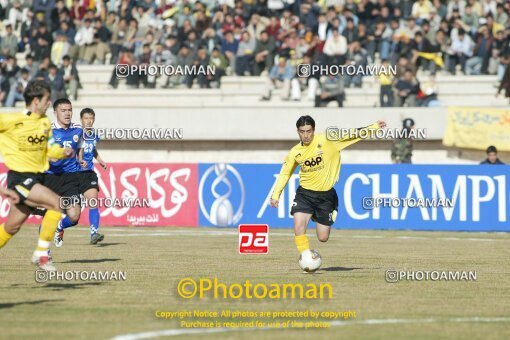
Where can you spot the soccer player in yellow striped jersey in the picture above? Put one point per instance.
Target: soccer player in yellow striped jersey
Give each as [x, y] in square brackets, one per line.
[26, 144]
[319, 159]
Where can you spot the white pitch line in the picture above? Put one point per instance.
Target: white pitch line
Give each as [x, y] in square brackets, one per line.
[197, 232]
[234, 233]
[336, 323]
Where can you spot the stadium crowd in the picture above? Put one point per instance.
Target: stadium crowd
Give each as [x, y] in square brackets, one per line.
[256, 37]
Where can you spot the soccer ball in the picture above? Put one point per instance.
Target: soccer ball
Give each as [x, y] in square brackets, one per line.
[310, 260]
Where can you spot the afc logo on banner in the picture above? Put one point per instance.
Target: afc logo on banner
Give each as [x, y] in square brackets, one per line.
[253, 239]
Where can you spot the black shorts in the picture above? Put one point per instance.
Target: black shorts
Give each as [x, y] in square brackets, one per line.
[87, 180]
[65, 185]
[23, 182]
[323, 205]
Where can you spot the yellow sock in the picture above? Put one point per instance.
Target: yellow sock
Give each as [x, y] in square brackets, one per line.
[302, 243]
[4, 236]
[48, 226]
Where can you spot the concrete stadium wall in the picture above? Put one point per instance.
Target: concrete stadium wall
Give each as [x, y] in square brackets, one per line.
[264, 136]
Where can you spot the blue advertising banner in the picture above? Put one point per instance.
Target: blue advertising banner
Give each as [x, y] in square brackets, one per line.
[416, 197]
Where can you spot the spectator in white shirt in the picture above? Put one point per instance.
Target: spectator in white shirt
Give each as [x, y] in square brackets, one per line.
[460, 50]
[84, 39]
[336, 48]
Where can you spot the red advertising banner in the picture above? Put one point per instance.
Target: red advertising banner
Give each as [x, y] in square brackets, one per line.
[158, 194]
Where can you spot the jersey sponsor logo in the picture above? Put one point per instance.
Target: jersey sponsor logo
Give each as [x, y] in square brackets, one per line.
[36, 140]
[314, 161]
[253, 239]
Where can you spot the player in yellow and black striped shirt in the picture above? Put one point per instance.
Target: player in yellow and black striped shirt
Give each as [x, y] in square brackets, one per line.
[319, 159]
[26, 144]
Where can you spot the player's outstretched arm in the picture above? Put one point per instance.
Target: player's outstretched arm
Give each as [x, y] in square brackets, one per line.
[358, 134]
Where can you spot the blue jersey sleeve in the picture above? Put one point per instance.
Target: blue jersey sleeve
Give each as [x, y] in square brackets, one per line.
[68, 138]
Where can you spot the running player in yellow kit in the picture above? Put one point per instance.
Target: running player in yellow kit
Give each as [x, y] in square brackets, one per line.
[26, 144]
[319, 159]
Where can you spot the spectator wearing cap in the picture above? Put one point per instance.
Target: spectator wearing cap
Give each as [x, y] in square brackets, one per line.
[244, 55]
[479, 62]
[460, 50]
[402, 149]
[335, 48]
[280, 76]
[492, 156]
[71, 77]
[264, 53]
[9, 44]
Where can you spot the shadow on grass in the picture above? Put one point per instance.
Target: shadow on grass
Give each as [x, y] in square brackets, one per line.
[91, 261]
[108, 244]
[14, 304]
[69, 285]
[339, 269]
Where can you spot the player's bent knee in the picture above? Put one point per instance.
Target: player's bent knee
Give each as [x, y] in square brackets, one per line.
[12, 229]
[323, 238]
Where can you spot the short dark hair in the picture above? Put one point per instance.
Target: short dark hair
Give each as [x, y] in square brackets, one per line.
[61, 101]
[36, 89]
[305, 120]
[491, 148]
[85, 111]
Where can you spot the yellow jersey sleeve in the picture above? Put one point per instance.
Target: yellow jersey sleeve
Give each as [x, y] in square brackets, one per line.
[288, 167]
[354, 136]
[6, 122]
[55, 151]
